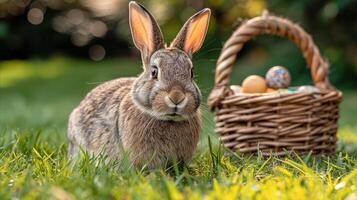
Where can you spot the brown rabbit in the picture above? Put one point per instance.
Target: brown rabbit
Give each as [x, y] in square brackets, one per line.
[155, 117]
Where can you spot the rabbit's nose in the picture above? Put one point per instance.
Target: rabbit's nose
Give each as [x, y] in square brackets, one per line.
[176, 100]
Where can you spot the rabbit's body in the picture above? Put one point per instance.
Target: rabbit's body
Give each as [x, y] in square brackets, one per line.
[94, 123]
[107, 121]
[155, 117]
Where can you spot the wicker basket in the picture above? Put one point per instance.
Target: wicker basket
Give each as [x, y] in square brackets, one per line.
[271, 122]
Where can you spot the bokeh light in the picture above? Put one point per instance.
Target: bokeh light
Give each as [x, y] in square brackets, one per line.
[75, 16]
[97, 52]
[98, 28]
[35, 16]
[104, 8]
[80, 38]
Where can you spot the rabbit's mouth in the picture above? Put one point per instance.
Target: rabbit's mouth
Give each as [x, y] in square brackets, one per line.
[174, 117]
[172, 114]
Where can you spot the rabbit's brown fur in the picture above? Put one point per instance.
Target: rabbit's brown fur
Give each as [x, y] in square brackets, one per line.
[155, 118]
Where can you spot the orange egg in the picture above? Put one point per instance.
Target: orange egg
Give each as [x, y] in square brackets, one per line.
[269, 90]
[254, 84]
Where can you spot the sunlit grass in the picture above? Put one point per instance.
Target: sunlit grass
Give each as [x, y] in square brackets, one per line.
[32, 167]
[33, 162]
[19, 70]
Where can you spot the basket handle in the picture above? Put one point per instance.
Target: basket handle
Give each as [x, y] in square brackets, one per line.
[267, 24]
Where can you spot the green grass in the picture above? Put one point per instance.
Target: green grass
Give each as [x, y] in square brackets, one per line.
[37, 96]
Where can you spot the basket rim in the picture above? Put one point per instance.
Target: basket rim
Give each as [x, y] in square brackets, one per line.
[286, 94]
[226, 97]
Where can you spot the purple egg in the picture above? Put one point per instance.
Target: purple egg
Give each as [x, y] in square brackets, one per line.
[278, 77]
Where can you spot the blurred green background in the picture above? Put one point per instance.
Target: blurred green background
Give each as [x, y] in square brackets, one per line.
[53, 52]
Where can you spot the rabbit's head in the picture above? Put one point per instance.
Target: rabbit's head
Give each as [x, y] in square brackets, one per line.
[166, 88]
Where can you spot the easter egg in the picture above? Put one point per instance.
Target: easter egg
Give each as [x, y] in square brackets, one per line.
[293, 89]
[278, 77]
[270, 90]
[308, 88]
[287, 90]
[254, 84]
[283, 91]
[236, 88]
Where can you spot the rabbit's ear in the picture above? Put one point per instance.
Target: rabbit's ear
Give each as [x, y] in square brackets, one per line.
[146, 32]
[193, 33]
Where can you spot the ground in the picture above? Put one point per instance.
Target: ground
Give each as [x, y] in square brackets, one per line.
[37, 96]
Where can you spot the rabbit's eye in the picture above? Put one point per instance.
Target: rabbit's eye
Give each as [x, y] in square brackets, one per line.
[154, 71]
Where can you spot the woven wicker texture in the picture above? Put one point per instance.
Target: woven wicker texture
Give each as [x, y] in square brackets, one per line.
[271, 122]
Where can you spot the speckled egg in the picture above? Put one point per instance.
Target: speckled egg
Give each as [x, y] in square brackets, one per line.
[254, 84]
[278, 77]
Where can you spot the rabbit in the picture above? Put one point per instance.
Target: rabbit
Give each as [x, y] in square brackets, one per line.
[154, 118]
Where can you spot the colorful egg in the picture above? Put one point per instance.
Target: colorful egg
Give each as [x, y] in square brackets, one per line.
[283, 91]
[270, 90]
[308, 88]
[293, 89]
[278, 77]
[254, 84]
[236, 88]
